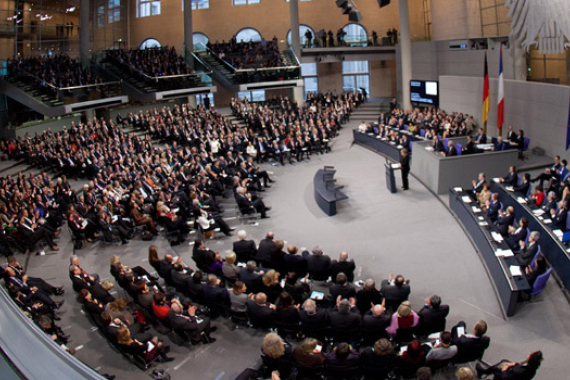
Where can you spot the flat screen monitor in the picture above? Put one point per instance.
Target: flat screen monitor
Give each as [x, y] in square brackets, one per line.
[425, 92]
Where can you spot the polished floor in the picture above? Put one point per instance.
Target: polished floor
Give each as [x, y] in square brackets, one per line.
[411, 233]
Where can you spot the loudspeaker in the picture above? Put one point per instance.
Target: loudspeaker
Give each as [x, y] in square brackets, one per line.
[341, 3]
[381, 3]
[355, 16]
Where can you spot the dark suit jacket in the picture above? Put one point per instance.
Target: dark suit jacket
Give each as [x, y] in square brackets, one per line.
[345, 322]
[251, 279]
[438, 147]
[433, 320]
[318, 264]
[524, 258]
[245, 250]
[504, 222]
[451, 152]
[216, 295]
[522, 188]
[260, 316]
[559, 219]
[470, 348]
[493, 210]
[370, 322]
[314, 321]
[265, 249]
[469, 148]
[345, 291]
[244, 204]
[346, 267]
[511, 179]
[364, 299]
[186, 324]
[395, 294]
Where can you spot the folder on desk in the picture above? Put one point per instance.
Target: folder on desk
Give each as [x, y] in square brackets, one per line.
[483, 224]
[395, 166]
[496, 179]
[458, 189]
[538, 212]
[558, 233]
[504, 253]
[496, 236]
[475, 209]
[547, 221]
[480, 218]
[521, 200]
[515, 270]
[509, 188]
[466, 199]
[429, 148]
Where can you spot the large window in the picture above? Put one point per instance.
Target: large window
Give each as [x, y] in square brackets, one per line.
[303, 35]
[100, 16]
[245, 2]
[309, 73]
[147, 8]
[248, 34]
[198, 4]
[200, 98]
[356, 75]
[150, 43]
[253, 96]
[200, 40]
[355, 35]
[114, 11]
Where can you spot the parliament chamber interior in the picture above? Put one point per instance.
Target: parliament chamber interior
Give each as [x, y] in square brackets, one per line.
[284, 189]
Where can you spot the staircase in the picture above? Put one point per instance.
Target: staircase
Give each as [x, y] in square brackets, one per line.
[220, 72]
[369, 111]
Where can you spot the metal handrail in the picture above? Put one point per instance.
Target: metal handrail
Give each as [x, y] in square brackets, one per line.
[209, 72]
[153, 78]
[68, 88]
[223, 60]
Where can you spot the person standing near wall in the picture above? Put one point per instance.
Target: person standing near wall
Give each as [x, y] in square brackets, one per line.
[405, 167]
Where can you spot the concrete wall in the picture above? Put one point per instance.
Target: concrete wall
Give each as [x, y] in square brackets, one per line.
[455, 19]
[541, 110]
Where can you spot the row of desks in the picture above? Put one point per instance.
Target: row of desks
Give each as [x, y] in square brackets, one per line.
[552, 247]
[387, 148]
[486, 237]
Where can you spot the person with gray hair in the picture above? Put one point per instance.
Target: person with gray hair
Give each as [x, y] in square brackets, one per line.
[528, 251]
[196, 329]
[244, 249]
[318, 264]
[343, 265]
[549, 203]
[368, 296]
[249, 203]
[312, 317]
[345, 316]
[74, 260]
[266, 248]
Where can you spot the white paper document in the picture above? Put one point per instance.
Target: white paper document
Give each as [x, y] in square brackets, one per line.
[521, 200]
[503, 253]
[515, 270]
[466, 199]
[476, 209]
[483, 224]
[538, 212]
[496, 236]
[547, 221]
[496, 179]
[429, 148]
[458, 189]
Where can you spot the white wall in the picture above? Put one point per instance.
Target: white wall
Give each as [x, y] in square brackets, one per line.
[455, 19]
[541, 110]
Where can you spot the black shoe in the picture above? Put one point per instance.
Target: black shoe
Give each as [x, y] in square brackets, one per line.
[208, 340]
[57, 305]
[213, 328]
[58, 291]
[56, 317]
[232, 229]
[271, 180]
[167, 359]
[166, 349]
[480, 370]
[125, 242]
[267, 187]
[264, 216]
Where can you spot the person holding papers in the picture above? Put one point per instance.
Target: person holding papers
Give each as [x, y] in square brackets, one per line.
[470, 346]
[528, 251]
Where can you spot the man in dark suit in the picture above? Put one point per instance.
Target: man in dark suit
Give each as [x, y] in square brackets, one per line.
[214, 294]
[437, 145]
[260, 313]
[524, 186]
[181, 277]
[318, 264]
[512, 178]
[196, 329]
[249, 204]
[478, 185]
[80, 281]
[451, 150]
[505, 220]
[250, 277]
[245, 250]
[368, 296]
[342, 288]
[405, 167]
[396, 290]
[469, 147]
[312, 317]
[549, 173]
[345, 316]
[481, 137]
[559, 216]
[528, 251]
[266, 248]
[494, 207]
[499, 145]
[294, 262]
[470, 347]
[343, 265]
[376, 319]
[433, 315]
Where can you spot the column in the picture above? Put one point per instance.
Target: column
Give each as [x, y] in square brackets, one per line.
[295, 39]
[405, 53]
[84, 32]
[299, 95]
[188, 32]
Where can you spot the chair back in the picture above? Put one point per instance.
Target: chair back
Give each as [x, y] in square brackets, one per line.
[540, 283]
[337, 373]
[445, 147]
[435, 365]
[310, 373]
[526, 143]
[405, 335]
[349, 336]
[533, 262]
[423, 132]
[527, 236]
[459, 148]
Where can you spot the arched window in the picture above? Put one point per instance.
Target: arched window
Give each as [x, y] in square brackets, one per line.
[248, 34]
[200, 40]
[355, 34]
[302, 31]
[149, 43]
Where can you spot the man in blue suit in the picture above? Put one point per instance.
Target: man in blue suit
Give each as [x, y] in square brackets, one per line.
[493, 207]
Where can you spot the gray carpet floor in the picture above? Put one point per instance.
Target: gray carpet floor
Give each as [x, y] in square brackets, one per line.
[411, 233]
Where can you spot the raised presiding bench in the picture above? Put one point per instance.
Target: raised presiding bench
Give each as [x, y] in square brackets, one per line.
[326, 193]
[387, 148]
[501, 265]
[551, 245]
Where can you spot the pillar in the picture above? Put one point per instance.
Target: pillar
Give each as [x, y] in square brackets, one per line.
[299, 95]
[405, 53]
[192, 101]
[295, 38]
[188, 32]
[84, 32]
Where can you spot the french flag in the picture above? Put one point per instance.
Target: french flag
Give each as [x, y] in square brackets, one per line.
[501, 97]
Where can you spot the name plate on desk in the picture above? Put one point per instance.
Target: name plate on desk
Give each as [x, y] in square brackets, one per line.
[504, 253]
